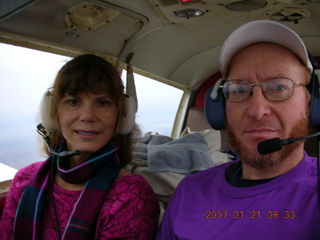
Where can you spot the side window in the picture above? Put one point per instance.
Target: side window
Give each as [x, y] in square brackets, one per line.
[25, 76]
[157, 104]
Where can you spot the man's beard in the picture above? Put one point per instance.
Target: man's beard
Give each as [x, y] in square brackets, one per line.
[269, 161]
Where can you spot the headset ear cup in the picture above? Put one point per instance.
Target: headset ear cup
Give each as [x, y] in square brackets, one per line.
[128, 122]
[215, 106]
[314, 118]
[45, 112]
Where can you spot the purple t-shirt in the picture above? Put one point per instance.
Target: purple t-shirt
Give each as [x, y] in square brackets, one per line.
[206, 206]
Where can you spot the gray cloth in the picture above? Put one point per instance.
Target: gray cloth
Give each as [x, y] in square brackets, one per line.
[183, 155]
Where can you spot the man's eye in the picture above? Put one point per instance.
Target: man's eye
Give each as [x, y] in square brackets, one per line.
[279, 87]
[238, 89]
[241, 89]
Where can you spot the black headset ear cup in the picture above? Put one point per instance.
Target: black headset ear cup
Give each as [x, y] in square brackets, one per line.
[215, 106]
[314, 118]
[128, 122]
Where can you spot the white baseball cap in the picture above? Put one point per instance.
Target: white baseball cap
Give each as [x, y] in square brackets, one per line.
[262, 31]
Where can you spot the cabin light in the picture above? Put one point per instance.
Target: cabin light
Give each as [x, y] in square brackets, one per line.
[188, 13]
[86, 16]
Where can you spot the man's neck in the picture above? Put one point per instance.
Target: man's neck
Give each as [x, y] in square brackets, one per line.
[249, 172]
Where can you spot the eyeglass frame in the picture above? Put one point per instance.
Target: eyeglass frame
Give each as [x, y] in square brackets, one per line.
[295, 83]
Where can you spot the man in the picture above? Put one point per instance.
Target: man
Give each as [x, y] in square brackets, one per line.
[274, 196]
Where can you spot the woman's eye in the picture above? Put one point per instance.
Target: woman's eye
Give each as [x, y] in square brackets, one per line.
[104, 102]
[72, 102]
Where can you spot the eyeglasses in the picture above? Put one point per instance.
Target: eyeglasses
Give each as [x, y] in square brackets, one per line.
[275, 90]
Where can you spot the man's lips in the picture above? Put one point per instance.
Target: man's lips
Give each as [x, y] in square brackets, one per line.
[261, 132]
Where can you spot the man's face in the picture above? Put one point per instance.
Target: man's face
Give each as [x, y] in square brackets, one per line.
[258, 119]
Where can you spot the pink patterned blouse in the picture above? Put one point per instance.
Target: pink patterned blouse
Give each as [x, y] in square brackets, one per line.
[130, 210]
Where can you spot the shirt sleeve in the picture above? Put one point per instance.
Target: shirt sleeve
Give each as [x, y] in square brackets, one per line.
[131, 213]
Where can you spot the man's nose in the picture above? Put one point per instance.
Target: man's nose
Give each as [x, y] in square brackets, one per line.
[258, 105]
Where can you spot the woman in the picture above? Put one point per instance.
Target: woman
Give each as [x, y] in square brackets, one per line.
[82, 190]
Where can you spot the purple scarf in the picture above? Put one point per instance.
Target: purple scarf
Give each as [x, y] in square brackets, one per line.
[98, 173]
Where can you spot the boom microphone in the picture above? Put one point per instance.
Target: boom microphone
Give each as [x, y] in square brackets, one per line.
[276, 144]
[65, 153]
[43, 132]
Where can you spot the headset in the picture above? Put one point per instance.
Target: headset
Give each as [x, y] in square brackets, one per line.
[127, 122]
[314, 88]
[215, 101]
[214, 106]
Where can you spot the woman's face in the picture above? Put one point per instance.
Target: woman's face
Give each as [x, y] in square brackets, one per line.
[87, 121]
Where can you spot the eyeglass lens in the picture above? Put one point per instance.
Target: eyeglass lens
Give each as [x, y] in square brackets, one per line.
[278, 89]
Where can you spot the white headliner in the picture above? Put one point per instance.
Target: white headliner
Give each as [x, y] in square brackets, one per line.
[183, 51]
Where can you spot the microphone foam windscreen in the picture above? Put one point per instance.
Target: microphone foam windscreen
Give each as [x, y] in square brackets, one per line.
[270, 146]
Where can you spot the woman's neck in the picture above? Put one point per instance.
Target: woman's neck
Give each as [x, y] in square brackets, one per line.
[78, 159]
[68, 186]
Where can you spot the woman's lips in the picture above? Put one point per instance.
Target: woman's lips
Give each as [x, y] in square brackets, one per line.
[87, 134]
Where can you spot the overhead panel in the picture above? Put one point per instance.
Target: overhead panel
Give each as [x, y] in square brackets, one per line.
[91, 25]
[193, 28]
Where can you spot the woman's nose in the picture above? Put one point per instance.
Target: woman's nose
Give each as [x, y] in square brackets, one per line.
[87, 113]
